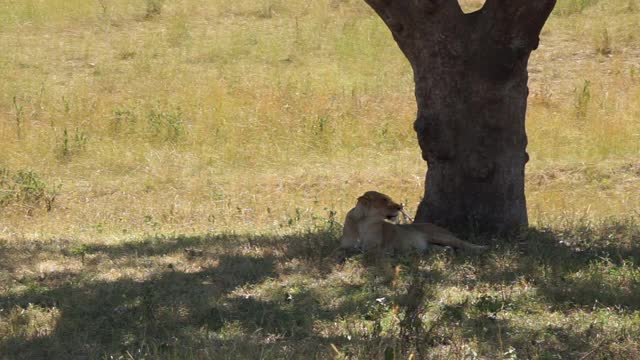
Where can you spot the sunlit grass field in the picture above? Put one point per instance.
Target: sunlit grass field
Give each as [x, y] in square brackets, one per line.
[171, 174]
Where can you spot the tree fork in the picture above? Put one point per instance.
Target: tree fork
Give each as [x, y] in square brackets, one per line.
[470, 72]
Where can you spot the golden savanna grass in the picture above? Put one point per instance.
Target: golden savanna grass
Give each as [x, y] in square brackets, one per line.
[214, 106]
[133, 130]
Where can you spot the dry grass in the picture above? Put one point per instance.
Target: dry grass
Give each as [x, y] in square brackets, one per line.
[133, 130]
[172, 112]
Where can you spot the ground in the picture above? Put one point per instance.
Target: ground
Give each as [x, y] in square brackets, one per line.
[173, 175]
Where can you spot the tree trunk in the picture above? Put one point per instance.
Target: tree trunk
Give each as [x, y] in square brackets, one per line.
[471, 78]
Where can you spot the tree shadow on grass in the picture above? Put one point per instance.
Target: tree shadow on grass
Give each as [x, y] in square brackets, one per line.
[312, 247]
[572, 268]
[197, 306]
[590, 270]
[205, 305]
[529, 283]
[103, 316]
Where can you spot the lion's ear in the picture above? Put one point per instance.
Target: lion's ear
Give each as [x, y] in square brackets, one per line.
[364, 200]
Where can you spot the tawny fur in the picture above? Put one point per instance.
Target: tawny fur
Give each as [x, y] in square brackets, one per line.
[371, 224]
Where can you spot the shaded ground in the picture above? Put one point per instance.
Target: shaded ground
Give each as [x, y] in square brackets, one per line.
[568, 292]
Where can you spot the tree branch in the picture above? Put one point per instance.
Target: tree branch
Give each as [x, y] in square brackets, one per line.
[403, 17]
[522, 19]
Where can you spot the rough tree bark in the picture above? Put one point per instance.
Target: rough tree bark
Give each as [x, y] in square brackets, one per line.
[470, 72]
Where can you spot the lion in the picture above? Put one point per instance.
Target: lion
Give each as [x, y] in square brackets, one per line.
[372, 224]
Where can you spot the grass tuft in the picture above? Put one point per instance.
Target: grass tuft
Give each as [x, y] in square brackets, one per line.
[154, 8]
[26, 188]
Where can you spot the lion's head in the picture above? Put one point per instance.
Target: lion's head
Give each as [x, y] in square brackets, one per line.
[373, 204]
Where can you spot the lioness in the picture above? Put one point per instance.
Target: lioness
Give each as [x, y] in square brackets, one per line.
[372, 224]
